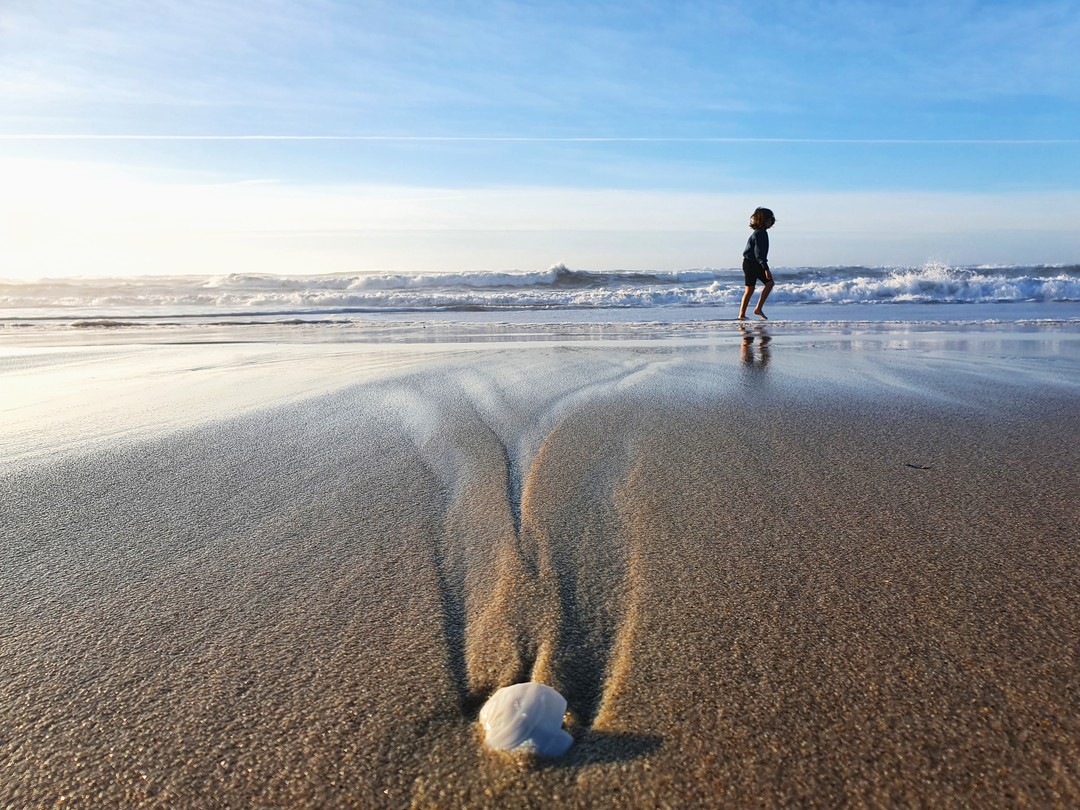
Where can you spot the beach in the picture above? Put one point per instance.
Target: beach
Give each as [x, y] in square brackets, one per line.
[767, 565]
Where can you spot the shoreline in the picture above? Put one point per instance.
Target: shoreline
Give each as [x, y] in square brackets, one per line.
[961, 313]
[531, 325]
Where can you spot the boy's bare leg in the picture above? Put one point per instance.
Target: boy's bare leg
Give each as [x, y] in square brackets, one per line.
[761, 300]
[745, 303]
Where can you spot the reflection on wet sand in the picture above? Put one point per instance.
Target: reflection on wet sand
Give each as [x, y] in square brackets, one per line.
[755, 346]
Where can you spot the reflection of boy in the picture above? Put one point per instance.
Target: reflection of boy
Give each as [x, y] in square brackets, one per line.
[748, 358]
[756, 261]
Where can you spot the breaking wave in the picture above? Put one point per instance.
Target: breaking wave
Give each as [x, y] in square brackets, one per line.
[558, 287]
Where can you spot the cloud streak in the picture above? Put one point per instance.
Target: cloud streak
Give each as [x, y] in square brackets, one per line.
[532, 139]
[683, 66]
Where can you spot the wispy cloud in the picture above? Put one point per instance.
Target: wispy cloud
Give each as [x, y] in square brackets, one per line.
[937, 50]
[550, 68]
[540, 139]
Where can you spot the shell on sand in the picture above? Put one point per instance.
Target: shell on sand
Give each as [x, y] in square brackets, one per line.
[526, 716]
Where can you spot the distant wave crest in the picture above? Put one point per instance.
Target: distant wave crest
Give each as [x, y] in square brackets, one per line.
[557, 277]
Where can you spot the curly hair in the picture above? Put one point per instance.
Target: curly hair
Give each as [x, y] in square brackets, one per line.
[761, 217]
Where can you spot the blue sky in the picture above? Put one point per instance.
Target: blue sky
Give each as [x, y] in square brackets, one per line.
[494, 135]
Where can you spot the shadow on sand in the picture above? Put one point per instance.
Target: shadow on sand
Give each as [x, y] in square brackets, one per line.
[598, 747]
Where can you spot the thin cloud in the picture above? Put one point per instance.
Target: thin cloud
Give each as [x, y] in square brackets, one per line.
[536, 139]
[843, 66]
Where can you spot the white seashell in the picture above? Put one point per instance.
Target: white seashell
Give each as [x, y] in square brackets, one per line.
[528, 716]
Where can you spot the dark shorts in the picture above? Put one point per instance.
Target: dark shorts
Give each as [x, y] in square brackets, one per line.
[753, 272]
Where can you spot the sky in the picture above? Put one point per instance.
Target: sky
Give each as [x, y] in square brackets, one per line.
[211, 136]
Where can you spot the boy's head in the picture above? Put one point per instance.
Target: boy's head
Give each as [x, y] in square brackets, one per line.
[762, 218]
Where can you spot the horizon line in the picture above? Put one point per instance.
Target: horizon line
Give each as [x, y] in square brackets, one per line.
[539, 139]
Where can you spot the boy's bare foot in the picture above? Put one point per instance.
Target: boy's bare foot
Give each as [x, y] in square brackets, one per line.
[742, 318]
[761, 314]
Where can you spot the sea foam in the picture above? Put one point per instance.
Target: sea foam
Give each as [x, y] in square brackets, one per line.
[557, 288]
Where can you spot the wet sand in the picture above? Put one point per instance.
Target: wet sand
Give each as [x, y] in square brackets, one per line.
[776, 572]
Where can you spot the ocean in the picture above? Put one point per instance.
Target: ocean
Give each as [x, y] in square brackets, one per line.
[930, 292]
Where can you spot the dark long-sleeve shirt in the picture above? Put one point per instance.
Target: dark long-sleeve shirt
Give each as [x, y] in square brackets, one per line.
[757, 248]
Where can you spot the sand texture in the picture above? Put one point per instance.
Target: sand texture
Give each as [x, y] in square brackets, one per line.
[760, 577]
